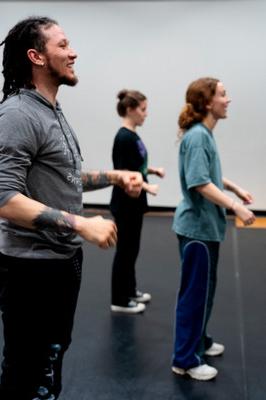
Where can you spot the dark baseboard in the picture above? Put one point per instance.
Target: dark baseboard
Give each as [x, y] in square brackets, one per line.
[259, 213]
[106, 207]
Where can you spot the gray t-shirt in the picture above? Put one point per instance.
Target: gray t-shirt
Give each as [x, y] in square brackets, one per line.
[40, 158]
[199, 164]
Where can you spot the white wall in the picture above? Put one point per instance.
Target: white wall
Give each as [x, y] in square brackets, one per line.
[159, 48]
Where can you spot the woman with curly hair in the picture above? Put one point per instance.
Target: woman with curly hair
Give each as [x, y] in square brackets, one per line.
[200, 222]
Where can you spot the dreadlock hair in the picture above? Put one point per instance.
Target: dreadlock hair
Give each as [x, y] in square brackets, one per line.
[17, 68]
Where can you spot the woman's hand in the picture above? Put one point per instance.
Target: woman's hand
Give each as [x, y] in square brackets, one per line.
[157, 171]
[244, 195]
[149, 188]
[242, 212]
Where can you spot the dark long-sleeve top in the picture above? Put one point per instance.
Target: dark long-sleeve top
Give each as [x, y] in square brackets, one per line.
[39, 158]
[129, 153]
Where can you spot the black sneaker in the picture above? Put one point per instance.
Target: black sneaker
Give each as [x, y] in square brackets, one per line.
[131, 308]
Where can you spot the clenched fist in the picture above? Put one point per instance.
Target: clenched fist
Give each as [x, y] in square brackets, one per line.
[97, 230]
[130, 181]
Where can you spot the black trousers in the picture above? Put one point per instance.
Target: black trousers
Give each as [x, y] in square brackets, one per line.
[123, 272]
[38, 298]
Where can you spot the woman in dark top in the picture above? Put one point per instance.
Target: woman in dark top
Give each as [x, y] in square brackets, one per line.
[130, 153]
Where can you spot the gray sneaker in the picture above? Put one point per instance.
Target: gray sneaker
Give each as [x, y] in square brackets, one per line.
[203, 372]
[131, 308]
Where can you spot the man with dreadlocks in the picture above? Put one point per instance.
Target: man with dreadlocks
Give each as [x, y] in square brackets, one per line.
[41, 228]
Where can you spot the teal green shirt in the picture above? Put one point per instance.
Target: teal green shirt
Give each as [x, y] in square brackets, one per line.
[199, 164]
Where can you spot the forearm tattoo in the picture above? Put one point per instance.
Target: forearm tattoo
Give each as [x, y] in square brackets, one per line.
[94, 180]
[55, 221]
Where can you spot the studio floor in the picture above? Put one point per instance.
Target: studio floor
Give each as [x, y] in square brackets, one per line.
[128, 357]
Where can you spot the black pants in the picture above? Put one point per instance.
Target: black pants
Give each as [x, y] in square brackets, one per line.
[127, 249]
[38, 299]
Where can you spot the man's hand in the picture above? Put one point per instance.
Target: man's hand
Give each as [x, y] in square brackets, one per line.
[97, 230]
[130, 181]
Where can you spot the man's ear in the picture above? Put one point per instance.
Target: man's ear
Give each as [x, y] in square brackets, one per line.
[35, 57]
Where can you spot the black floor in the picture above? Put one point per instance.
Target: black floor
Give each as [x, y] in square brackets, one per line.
[116, 357]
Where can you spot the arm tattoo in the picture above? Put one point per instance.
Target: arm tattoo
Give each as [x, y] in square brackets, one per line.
[54, 221]
[94, 180]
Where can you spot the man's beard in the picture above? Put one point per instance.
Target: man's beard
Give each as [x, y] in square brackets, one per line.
[61, 79]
